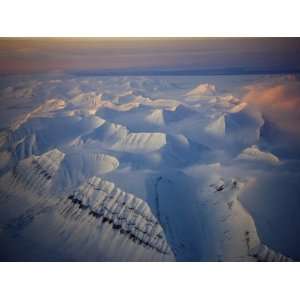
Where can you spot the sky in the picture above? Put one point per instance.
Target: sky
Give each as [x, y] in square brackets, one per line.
[139, 56]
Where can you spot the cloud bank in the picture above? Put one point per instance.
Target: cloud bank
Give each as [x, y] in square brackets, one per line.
[279, 102]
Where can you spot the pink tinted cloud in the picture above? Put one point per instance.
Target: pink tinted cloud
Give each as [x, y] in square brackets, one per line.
[279, 102]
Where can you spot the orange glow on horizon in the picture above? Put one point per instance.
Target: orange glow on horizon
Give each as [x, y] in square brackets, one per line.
[26, 55]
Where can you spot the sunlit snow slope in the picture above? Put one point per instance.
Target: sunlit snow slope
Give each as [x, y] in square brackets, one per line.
[142, 169]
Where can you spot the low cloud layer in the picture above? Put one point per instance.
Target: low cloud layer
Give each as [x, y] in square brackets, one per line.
[279, 102]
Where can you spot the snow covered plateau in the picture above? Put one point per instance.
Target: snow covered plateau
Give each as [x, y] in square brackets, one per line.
[151, 168]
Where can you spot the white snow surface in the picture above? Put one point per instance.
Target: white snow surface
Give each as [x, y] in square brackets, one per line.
[133, 169]
[203, 89]
[253, 153]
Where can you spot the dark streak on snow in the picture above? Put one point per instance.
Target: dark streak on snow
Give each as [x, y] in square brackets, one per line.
[133, 235]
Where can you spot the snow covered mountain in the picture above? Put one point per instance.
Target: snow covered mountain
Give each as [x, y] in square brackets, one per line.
[141, 169]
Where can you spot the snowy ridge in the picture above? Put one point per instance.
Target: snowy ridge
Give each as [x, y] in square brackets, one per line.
[128, 214]
[81, 164]
[244, 126]
[97, 222]
[86, 101]
[47, 109]
[253, 153]
[265, 254]
[36, 171]
[204, 89]
[144, 141]
[118, 137]
[179, 113]
[217, 127]
[217, 225]
[39, 135]
[156, 117]
[168, 115]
